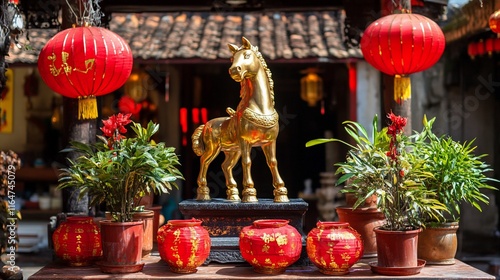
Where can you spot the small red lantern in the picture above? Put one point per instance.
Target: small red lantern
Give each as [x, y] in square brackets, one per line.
[77, 241]
[489, 46]
[184, 245]
[481, 49]
[334, 247]
[84, 62]
[270, 245]
[472, 50]
[402, 44]
[496, 45]
[494, 22]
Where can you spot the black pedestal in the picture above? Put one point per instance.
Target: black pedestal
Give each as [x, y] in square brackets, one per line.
[224, 220]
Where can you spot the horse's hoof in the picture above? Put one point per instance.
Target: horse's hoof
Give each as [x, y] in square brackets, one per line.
[203, 197]
[234, 198]
[249, 199]
[281, 198]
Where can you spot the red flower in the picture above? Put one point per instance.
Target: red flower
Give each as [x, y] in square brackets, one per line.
[395, 127]
[114, 126]
[397, 124]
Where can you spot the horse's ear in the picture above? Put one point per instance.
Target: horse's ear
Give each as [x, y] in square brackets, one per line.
[232, 48]
[246, 44]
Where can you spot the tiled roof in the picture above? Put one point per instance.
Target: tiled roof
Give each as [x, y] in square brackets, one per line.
[279, 35]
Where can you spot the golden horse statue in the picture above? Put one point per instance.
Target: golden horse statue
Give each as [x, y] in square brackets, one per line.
[254, 123]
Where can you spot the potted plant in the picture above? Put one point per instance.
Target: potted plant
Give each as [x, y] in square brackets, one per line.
[118, 171]
[395, 174]
[459, 175]
[360, 212]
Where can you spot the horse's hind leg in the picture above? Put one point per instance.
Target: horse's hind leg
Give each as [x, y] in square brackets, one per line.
[203, 192]
[231, 158]
[280, 192]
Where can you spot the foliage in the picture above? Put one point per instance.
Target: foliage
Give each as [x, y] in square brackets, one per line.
[9, 163]
[118, 170]
[459, 174]
[385, 166]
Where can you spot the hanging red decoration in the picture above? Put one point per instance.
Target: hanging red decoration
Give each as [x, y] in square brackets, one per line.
[496, 44]
[402, 44]
[85, 62]
[489, 46]
[494, 22]
[472, 50]
[480, 47]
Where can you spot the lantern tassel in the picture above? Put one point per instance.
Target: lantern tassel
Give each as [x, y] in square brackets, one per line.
[87, 108]
[402, 88]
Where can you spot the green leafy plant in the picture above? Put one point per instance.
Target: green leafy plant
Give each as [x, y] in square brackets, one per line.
[118, 170]
[386, 166]
[458, 174]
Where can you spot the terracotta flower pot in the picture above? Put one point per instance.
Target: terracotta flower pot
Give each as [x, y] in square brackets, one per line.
[334, 247]
[270, 246]
[363, 220]
[184, 245]
[156, 220]
[147, 242]
[121, 246]
[438, 245]
[397, 248]
[77, 241]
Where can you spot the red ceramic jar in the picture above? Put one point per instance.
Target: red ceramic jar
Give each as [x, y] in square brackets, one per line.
[270, 246]
[334, 247]
[77, 241]
[184, 245]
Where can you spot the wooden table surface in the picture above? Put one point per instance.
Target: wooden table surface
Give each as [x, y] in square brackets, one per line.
[155, 268]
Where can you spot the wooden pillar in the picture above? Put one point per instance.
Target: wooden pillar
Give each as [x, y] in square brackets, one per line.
[75, 130]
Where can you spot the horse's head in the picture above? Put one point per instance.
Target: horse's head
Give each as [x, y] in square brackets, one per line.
[245, 61]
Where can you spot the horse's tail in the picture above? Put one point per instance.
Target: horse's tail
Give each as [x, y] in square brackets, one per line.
[198, 146]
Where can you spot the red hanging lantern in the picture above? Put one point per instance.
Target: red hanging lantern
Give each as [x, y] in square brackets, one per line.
[480, 47]
[472, 50]
[489, 46]
[494, 22]
[84, 62]
[496, 45]
[402, 44]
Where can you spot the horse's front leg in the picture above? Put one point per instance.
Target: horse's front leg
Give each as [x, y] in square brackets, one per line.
[249, 193]
[231, 158]
[280, 192]
[203, 192]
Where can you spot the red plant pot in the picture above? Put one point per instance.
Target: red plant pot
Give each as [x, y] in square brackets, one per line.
[270, 246]
[184, 245]
[147, 241]
[77, 241]
[121, 246]
[334, 247]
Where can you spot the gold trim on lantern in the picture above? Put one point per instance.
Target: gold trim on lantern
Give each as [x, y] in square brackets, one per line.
[402, 88]
[87, 107]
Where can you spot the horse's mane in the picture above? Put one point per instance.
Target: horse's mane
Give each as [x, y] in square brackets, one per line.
[255, 49]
